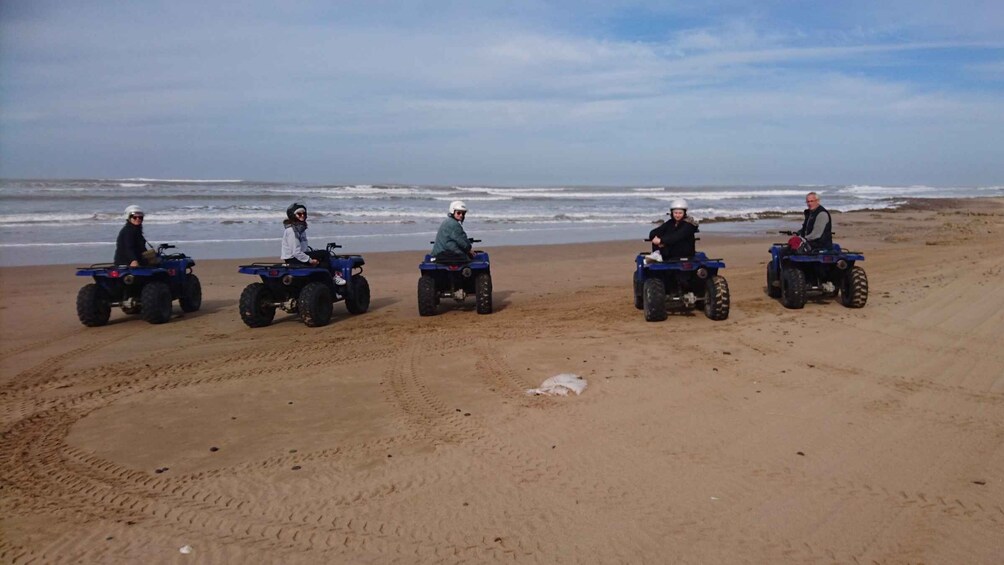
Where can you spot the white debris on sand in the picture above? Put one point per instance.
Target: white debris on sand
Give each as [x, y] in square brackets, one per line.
[560, 385]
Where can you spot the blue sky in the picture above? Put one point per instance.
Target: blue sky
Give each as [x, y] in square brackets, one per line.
[507, 93]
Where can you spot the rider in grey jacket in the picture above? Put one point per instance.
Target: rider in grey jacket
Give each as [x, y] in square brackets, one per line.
[451, 239]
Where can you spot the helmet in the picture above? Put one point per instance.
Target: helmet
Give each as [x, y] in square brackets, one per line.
[678, 204]
[293, 209]
[457, 205]
[133, 210]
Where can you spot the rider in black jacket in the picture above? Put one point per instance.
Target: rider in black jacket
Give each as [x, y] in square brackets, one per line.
[131, 244]
[674, 238]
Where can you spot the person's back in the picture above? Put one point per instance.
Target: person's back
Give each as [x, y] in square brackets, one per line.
[451, 239]
[130, 244]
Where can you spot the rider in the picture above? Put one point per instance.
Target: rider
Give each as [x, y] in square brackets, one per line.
[452, 242]
[295, 250]
[817, 227]
[131, 244]
[674, 238]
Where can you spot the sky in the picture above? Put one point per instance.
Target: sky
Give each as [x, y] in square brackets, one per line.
[505, 92]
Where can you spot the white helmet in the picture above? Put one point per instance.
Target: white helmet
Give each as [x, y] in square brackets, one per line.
[457, 205]
[678, 204]
[133, 210]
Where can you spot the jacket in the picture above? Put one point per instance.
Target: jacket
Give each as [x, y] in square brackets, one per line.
[294, 242]
[451, 238]
[130, 245]
[677, 238]
[817, 228]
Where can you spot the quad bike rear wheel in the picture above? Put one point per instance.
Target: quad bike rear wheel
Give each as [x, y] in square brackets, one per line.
[716, 305]
[483, 292]
[793, 288]
[427, 299]
[155, 300]
[315, 305]
[191, 294]
[654, 298]
[358, 299]
[93, 305]
[257, 305]
[773, 281]
[854, 292]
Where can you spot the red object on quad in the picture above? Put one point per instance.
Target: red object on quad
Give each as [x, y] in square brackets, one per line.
[795, 243]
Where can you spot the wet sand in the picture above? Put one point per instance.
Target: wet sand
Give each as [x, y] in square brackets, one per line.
[818, 435]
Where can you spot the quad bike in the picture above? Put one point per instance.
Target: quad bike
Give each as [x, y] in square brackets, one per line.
[146, 290]
[309, 291]
[794, 276]
[456, 279]
[680, 283]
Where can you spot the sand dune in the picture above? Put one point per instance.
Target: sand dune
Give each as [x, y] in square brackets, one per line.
[820, 435]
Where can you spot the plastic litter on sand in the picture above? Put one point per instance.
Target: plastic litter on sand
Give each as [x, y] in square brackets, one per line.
[560, 385]
[186, 549]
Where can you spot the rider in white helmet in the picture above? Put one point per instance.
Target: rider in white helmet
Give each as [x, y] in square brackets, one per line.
[130, 244]
[674, 238]
[451, 239]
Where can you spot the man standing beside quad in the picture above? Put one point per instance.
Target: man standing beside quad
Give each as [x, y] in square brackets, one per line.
[452, 242]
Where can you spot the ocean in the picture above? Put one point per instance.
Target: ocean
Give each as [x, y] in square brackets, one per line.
[76, 221]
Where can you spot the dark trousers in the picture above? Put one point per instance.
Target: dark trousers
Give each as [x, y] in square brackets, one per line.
[323, 259]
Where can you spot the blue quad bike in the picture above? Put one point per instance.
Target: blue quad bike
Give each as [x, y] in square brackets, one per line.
[794, 277]
[684, 283]
[308, 291]
[147, 291]
[456, 279]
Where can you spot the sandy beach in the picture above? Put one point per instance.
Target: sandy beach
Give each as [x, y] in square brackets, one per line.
[822, 435]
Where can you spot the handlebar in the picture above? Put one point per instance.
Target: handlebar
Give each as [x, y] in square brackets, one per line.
[334, 245]
[472, 240]
[164, 246]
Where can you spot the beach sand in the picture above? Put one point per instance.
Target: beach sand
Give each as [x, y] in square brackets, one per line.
[820, 435]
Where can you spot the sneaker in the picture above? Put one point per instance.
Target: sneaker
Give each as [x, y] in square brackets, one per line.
[338, 279]
[654, 257]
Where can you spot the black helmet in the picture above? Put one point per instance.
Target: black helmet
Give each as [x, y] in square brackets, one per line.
[293, 209]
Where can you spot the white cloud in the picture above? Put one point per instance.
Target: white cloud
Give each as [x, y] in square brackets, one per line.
[361, 84]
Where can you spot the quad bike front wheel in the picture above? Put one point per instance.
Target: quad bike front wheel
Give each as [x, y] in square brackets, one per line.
[483, 293]
[357, 301]
[93, 305]
[191, 294]
[155, 300]
[257, 305]
[315, 305]
[639, 302]
[427, 299]
[654, 299]
[854, 292]
[793, 288]
[716, 305]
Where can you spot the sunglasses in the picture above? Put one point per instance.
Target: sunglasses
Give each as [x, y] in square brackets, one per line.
[135, 217]
[304, 214]
[461, 212]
